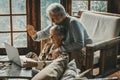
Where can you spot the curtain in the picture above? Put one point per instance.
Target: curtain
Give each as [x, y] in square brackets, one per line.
[33, 18]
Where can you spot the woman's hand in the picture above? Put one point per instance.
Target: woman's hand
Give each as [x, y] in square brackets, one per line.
[32, 55]
[55, 53]
[30, 64]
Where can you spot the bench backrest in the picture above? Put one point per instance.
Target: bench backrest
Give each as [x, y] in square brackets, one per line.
[101, 27]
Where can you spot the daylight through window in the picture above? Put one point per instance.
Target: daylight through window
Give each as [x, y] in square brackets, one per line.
[92, 5]
[13, 23]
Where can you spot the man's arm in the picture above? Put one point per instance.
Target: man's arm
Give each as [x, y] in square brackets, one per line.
[43, 34]
[77, 31]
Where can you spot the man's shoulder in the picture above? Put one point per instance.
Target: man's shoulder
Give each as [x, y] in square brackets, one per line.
[74, 20]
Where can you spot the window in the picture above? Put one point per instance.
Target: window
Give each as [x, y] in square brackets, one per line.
[44, 18]
[92, 5]
[13, 23]
[99, 6]
[78, 5]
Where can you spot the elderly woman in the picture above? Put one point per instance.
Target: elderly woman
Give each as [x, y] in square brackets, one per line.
[57, 35]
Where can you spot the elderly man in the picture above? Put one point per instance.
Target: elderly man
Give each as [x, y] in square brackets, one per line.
[76, 34]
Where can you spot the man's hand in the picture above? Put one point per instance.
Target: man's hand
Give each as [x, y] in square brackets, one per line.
[32, 55]
[30, 64]
[31, 31]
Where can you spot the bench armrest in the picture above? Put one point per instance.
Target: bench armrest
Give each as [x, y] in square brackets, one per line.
[104, 44]
[108, 51]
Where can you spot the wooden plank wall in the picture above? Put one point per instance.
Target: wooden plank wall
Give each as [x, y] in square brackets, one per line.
[114, 6]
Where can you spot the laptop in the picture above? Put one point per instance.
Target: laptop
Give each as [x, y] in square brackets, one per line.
[13, 55]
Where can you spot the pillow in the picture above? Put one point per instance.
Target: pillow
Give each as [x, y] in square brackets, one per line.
[71, 71]
[53, 71]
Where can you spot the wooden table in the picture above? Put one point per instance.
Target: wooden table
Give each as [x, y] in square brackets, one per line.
[10, 70]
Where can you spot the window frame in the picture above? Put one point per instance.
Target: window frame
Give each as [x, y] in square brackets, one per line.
[89, 4]
[29, 20]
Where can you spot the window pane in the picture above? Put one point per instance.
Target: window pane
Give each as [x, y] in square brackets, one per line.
[18, 6]
[99, 6]
[20, 39]
[44, 4]
[4, 23]
[19, 23]
[79, 5]
[4, 37]
[4, 7]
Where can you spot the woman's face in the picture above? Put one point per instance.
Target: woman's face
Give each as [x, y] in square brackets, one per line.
[55, 37]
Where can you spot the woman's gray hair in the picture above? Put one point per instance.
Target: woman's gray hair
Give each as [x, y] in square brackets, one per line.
[60, 29]
[56, 8]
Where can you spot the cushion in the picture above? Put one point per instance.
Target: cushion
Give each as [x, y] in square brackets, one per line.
[53, 71]
[71, 71]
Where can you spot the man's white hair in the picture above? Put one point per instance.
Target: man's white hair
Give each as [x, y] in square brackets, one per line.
[56, 8]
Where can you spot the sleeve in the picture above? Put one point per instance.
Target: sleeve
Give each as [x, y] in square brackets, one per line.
[43, 34]
[77, 31]
[45, 51]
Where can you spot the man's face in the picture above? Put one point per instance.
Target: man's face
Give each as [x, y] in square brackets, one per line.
[55, 37]
[56, 18]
